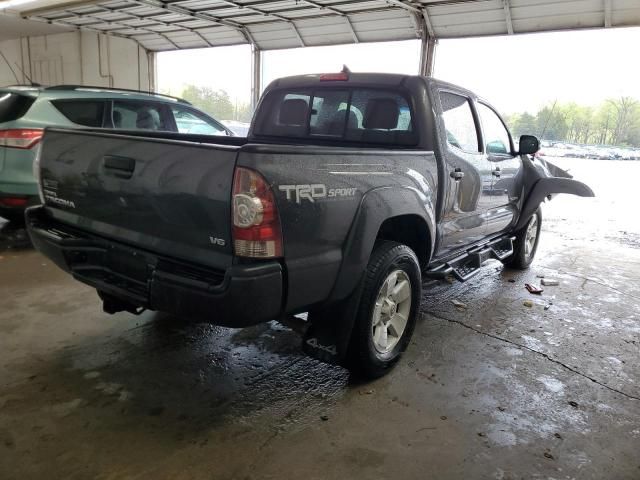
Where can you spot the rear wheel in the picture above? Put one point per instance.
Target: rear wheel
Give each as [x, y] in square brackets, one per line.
[388, 309]
[526, 243]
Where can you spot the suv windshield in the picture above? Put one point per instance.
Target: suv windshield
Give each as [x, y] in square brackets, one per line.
[14, 105]
[360, 115]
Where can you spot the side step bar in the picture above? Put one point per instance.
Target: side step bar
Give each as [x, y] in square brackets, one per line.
[465, 266]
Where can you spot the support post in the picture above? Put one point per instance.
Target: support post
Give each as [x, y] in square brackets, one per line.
[427, 54]
[256, 75]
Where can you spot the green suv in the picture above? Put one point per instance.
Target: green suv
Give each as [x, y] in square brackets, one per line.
[26, 111]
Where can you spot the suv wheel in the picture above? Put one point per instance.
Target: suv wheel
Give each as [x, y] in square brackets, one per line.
[388, 309]
[526, 243]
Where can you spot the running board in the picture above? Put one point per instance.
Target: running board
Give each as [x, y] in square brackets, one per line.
[465, 266]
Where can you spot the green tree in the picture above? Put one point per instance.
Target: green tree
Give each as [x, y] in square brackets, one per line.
[244, 113]
[214, 102]
[552, 122]
[613, 122]
[626, 109]
[523, 124]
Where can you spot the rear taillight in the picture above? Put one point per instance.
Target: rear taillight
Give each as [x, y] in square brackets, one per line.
[13, 201]
[20, 137]
[256, 225]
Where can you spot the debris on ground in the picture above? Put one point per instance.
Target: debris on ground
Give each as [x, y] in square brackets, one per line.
[450, 279]
[549, 455]
[482, 434]
[366, 392]
[557, 435]
[459, 304]
[324, 418]
[528, 303]
[540, 276]
[512, 280]
[573, 404]
[533, 289]
[502, 409]
[549, 282]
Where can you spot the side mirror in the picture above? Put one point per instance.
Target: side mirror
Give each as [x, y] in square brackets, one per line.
[528, 145]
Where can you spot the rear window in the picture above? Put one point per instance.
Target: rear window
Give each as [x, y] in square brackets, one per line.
[370, 116]
[89, 113]
[13, 106]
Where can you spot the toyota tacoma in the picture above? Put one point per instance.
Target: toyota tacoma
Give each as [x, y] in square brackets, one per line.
[349, 190]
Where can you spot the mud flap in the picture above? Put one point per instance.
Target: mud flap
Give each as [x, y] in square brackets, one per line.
[328, 336]
[549, 186]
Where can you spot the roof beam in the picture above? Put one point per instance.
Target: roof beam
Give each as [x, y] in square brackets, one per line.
[329, 8]
[144, 30]
[405, 5]
[354, 35]
[415, 14]
[607, 13]
[427, 22]
[202, 16]
[507, 15]
[269, 14]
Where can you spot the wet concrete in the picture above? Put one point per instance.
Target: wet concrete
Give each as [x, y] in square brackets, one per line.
[496, 390]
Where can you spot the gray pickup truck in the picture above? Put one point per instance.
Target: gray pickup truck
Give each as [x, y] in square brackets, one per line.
[349, 190]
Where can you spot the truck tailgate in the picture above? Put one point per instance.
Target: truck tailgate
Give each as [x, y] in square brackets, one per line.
[168, 196]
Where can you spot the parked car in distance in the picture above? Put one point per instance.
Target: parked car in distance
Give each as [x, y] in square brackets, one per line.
[347, 192]
[25, 111]
[240, 129]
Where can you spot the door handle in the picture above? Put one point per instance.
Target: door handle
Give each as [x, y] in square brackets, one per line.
[496, 172]
[457, 174]
[120, 167]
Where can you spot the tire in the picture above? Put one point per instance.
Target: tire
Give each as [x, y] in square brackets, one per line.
[523, 250]
[378, 337]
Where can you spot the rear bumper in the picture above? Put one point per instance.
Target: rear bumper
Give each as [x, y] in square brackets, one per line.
[239, 296]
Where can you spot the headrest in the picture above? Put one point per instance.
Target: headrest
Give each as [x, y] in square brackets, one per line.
[146, 120]
[293, 112]
[381, 113]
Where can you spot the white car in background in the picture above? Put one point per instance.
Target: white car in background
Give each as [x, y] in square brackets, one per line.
[239, 129]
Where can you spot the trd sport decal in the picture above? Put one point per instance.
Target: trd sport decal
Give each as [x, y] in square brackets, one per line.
[314, 192]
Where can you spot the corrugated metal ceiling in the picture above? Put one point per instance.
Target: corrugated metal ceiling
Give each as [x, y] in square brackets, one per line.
[180, 24]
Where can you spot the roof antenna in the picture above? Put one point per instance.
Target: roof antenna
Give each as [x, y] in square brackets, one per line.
[31, 82]
[9, 65]
[345, 69]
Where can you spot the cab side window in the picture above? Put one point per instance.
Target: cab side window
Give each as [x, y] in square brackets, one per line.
[496, 136]
[459, 123]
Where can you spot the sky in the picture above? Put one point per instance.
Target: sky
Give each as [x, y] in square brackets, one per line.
[515, 73]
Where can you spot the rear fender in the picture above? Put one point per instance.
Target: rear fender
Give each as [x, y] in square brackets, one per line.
[377, 206]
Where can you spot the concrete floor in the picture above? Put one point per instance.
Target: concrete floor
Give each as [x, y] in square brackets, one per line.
[498, 390]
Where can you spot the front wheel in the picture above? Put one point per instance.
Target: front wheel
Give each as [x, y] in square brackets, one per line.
[526, 243]
[387, 311]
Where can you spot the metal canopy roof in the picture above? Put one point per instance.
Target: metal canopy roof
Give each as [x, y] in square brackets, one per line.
[180, 24]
